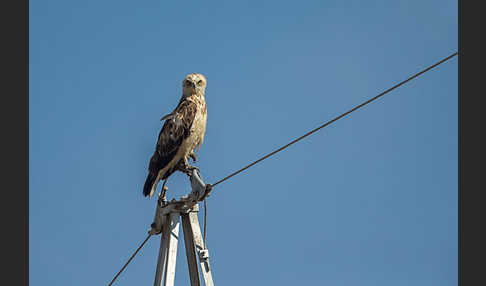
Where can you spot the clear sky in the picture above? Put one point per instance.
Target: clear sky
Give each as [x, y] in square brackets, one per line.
[370, 200]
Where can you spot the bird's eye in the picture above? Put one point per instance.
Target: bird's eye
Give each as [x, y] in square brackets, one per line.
[200, 82]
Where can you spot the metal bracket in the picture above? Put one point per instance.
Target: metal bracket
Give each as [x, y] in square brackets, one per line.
[187, 203]
[203, 254]
[204, 257]
[199, 189]
[197, 184]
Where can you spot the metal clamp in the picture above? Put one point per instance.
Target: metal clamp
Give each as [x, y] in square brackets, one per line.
[203, 254]
[200, 190]
[204, 257]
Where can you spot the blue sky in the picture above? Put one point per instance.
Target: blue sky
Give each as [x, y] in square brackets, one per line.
[370, 200]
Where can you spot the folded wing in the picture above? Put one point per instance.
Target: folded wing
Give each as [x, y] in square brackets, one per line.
[175, 129]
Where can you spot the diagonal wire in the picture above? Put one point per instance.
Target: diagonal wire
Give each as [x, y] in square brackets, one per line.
[287, 145]
[335, 119]
[130, 259]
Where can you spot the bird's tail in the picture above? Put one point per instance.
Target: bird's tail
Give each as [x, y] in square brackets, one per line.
[147, 188]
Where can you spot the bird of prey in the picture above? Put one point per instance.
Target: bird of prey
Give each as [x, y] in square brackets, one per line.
[182, 132]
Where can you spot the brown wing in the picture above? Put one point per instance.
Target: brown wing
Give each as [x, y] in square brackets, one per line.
[175, 129]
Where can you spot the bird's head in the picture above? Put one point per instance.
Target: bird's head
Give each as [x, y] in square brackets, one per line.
[194, 83]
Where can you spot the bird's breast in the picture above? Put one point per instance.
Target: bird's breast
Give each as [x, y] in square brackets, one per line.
[199, 127]
[196, 134]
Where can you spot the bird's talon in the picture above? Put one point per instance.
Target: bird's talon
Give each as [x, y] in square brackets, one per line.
[189, 170]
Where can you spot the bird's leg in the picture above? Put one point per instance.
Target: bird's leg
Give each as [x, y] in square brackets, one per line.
[189, 168]
[193, 156]
[184, 167]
